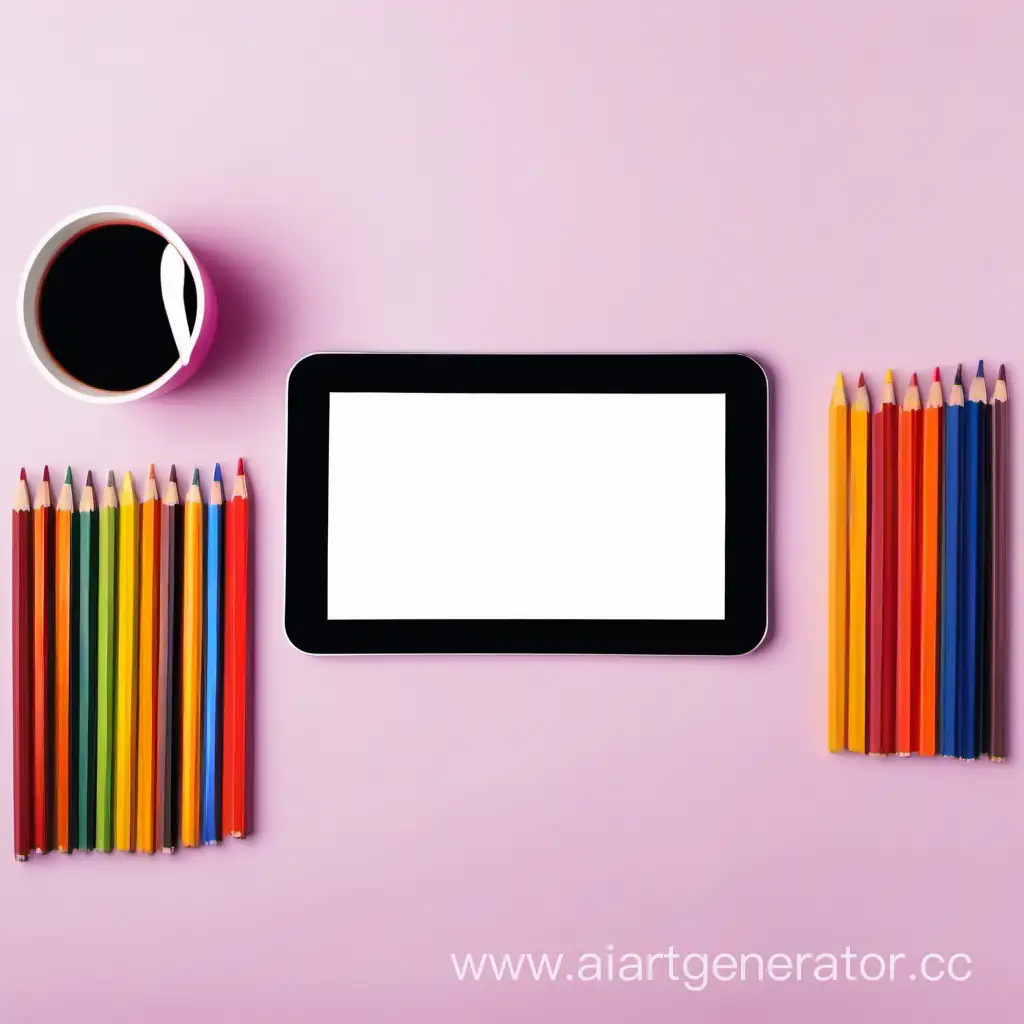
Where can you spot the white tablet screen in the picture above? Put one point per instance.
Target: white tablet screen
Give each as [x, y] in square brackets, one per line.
[526, 506]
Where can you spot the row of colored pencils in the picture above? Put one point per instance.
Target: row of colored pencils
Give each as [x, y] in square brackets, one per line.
[130, 658]
[917, 570]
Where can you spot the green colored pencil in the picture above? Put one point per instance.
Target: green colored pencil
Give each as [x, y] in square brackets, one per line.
[86, 667]
[106, 648]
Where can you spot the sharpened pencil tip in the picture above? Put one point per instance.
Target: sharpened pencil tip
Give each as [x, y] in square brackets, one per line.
[913, 380]
[24, 475]
[46, 473]
[959, 378]
[216, 474]
[1002, 376]
[110, 478]
[981, 368]
[88, 478]
[152, 471]
[67, 476]
[860, 381]
[173, 475]
[241, 465]
[936, 375]
[888, 377]
[195, 478]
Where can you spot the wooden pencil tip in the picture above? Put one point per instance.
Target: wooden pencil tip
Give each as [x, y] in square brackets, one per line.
[67, 476]
[861, 382]
[152, 471]
[217, 478]
[936, 375]
[173, 475]
[981, 368]
[959, 378]
[913, 380]
[195, 478]
[1002, 376]
[888, 377]
[46, 473]
[88, 479]
[241, 465]
[110, 478]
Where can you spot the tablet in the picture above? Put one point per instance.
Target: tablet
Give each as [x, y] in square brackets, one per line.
[516, 504]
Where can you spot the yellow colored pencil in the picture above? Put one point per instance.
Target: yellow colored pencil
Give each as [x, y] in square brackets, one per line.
[127, 666]
[860, 511]
[149, 578]
[838, 622]
[192, 664]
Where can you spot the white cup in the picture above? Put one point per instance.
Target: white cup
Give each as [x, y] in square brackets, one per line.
[192, 348]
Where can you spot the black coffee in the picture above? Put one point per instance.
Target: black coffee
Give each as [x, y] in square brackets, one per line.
[103, 314]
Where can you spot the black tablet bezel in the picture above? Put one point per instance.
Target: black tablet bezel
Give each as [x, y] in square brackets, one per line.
[314, 378]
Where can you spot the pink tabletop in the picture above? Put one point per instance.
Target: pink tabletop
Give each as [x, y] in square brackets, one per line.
[827, 186]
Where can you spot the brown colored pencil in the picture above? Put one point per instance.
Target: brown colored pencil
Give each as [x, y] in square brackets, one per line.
[236, 674]
[22, 653]
[42, 666]
[883, 614]
[997, 746]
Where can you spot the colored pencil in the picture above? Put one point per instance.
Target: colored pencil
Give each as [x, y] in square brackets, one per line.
[192, 664]
[998, 553]
[838, 623]
[127, 700]
[63, 651]
[149, 581]
[973, 565]
[21, 656]
[169, 667]
[86, 667]
[908, 623]
[952, 547]
[883, 597]
[42, 666]
[213, 691]
[931, 559]
[106, 661]
[236, 658]
[860, 493]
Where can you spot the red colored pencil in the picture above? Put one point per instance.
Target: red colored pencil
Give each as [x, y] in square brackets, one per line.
[908, 625]
[21, 649]
[883, 615]
[236, 660]
[42, 664]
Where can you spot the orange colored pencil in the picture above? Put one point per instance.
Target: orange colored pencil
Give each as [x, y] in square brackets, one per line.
[42, 664]
[908, 616]
[149, 578]
[64, 759]
[236, 654]
[860, 528]
[931, 557]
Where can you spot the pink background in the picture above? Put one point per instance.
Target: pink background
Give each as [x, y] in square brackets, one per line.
[824, 185]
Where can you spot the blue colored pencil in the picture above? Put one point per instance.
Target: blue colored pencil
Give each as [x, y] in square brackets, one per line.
[972, 650]
[210, 790]
[951, 618]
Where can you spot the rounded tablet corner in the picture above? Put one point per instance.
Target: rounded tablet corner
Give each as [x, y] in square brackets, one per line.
[297, 640]
[757, 639]
[753, 368]
[304, 367]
